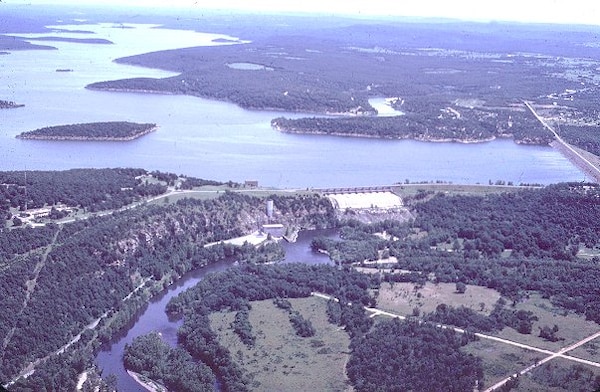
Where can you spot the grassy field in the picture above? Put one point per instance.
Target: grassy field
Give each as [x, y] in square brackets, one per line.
[589, 351]
[405, 190]
[500, 360]
[571, 327]
[282, 361]
[401, 298]
[532, 382]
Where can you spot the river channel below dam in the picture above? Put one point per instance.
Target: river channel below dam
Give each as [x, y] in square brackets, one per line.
[153, 317]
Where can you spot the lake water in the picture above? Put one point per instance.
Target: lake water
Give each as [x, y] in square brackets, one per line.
[219, 140]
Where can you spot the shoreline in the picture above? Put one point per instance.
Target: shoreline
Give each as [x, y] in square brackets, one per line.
[359, 135]
[150, 385]
[249, 108]
[589, 169]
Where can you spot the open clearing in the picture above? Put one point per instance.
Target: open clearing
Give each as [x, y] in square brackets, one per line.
[282, 361]
[537, 380]
[402, 298]
[405, 190]
[500, 360]
[572, 327]
[589, 351]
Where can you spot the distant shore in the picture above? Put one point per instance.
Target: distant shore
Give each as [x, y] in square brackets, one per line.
[407, 137]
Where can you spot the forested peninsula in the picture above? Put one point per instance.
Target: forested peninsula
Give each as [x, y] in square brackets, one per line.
[99, 41]
[98, 131]
[464, 125]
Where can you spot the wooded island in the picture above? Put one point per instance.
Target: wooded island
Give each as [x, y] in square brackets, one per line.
[111, 131]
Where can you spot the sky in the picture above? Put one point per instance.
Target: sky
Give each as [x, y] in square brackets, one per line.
[537, 11]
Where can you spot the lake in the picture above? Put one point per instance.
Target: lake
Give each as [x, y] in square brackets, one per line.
[219, 140]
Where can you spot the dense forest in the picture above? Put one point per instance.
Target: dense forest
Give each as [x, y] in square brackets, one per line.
[115, 130]
[314, 76]
[407, 356]
[513, 242]
[587, 138]
[90, 189]
[172, 367]
[59, 279]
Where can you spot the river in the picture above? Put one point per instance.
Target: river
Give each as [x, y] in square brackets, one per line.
[153, 317]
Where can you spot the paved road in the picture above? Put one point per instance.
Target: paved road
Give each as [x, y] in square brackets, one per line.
[551, 354]
[594, 171]
[559, 353]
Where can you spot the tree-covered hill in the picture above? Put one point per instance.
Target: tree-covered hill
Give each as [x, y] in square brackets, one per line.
[58, 279]
[91, 189]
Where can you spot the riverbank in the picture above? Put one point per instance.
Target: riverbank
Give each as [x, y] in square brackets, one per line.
[147, 383]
